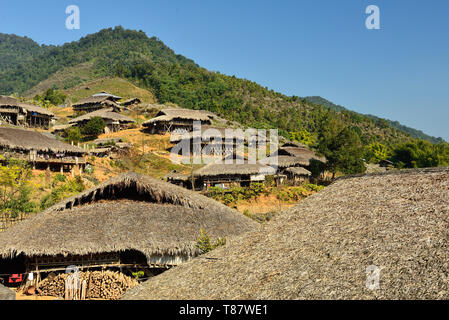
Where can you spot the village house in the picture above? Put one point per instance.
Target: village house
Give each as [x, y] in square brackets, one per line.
[23, 114]
[130, 222]
[41, 151]
[114, 120]
[175, 120]
[231, 171]
[131, 102]
[94, 103]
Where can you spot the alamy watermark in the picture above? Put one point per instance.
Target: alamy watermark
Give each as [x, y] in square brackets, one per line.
[372, 277]
[73, 21]
[225, 146]
[372, 22]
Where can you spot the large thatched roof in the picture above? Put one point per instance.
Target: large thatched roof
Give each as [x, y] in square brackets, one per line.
[321, 248]
[236, 166]
[31, 140]
[24, 107]
[8, 101]
[106, 114]
[128, 212]
[166, 115]
[105, 101]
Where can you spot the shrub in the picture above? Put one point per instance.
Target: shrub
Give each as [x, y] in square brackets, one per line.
[205, 244]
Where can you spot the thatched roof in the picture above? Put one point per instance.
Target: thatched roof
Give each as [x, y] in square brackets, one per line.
[131, 101]
[300, 152]
[24, 107]
[167, 115]
[222, 167]
[31, 140]
[207, 132]
[105, 101]
[287, 161]
[175, 175]
[298, 171]
[106, 114]
[35, 109]
[321, 248]
[8, 101]
[128, 212]
[107, 95]
[60, 127]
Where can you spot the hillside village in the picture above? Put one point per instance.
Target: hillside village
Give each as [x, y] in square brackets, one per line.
[183, 192]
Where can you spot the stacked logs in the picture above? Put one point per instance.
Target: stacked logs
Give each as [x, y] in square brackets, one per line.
[97, 285]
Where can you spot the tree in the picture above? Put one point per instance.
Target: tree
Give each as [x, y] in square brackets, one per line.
[73, 134]
[377, 152]
[342, 148]
[94, 127]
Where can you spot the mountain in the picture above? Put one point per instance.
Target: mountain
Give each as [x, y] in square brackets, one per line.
[170, 77]
[417, 134]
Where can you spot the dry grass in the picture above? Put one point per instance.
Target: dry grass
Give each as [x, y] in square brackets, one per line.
[320, 249]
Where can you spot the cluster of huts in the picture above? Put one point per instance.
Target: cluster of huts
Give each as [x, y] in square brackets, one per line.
[14, 112]
[129, 223]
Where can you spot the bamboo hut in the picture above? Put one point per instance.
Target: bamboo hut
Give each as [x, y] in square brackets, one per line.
[225, 173]
[41, 151]
[377, 236]
[297, 174]
[131, 102]
[94, 103]
[175, 120]
[114, 120]
[23, 114]
[131, 222]
[179, 179]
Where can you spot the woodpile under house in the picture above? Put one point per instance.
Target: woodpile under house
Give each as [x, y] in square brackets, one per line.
[23, 114]
[113, 119]
[41, 151]
[128, 224]
[175, 120]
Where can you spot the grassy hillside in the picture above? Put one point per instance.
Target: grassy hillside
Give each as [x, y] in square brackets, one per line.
[172, 78]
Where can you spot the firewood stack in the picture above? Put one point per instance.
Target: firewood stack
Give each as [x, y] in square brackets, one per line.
[107, 285]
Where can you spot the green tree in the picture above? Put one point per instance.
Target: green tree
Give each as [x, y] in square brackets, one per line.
[73, 134]
[377, 152]
[342, 148]
[94, 127]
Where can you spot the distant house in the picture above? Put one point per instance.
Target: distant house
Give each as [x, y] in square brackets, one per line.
[95, 103]
[41, 151]
[297, 174]
[131, 102]
[23, 114]
[178, 178]
[227, 173]
[175, 120]
[108, 95]
[212, 140]
[114, 120]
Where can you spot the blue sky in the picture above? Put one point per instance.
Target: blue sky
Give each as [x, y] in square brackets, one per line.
[303, 48]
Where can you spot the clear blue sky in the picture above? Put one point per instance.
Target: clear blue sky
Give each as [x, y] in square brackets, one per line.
[303, 48]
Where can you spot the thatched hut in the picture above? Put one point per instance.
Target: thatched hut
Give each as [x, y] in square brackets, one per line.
[107, 95]
[131, 102]
[114, 120]
[178, 178]
[94, 103]
[175, 120]
[297, 174]
[131, 221]
[379, 236]
[23, 114]
[226, 173]
[40, 150]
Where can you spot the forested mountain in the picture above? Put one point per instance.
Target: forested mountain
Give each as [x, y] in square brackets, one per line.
[149, 63]
[418, 134]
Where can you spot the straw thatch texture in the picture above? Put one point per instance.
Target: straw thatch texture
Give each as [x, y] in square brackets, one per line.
[129, 212]
[298, 171]
[175, 175]
[8, 101]
[29, 108]
[232, 169]
[167, 115]
[104, 101]
[106, 114]
[321, 248]
[26, 140]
